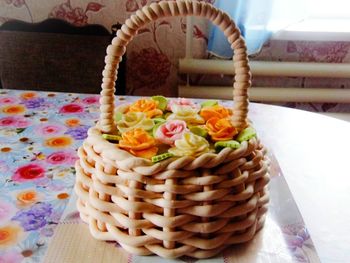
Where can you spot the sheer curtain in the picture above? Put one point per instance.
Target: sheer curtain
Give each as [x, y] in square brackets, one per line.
[257, 20]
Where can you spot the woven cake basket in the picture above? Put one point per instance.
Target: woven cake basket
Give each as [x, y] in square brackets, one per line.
[183, 206]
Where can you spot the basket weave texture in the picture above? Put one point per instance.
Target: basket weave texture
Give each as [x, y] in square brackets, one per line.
[180, 206]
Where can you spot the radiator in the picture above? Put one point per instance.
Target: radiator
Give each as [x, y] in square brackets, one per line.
[273, 69]
[189, 65]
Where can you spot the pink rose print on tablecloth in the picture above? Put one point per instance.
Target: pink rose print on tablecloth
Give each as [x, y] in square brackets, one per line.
[3, 167]
[71, 108]
[11, 257]
[8, 100]
[76, 16]
[62, 157]
[7, 210]
[49, 129]
[91, 100]
[171, 131]
[150, 69]
[28, 172]
[331, 52]
[15, 122]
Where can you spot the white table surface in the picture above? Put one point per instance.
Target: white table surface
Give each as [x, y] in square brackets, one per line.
[314, 154]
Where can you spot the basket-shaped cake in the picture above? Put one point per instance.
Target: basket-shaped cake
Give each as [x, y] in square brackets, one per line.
[194, 192]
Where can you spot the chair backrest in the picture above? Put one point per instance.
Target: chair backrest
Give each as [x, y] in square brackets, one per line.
[53, 55]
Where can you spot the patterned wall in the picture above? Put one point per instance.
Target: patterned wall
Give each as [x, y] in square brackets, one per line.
[325, 51]
[153, 55]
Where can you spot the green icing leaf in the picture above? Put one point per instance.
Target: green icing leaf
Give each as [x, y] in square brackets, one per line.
[158, 120]
[209, 103]
[199, 131]
[155, 128]
[166, 115]
[118, 116]
[111, 137]
[223, 144]
[161, 157]
[162, 102]
[246, 134]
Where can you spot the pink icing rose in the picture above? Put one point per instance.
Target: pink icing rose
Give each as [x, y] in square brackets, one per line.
[50, 129]
[62, 157]
[8, 100]
[91, 100]
[182, 102]
[171, 131]
[14, 121]
[7, 211]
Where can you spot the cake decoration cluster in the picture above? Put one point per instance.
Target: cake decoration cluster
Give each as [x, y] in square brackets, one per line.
[158, 128]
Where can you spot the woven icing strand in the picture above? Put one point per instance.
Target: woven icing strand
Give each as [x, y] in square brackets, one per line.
[176, 207]
[173, 200]
[147, 14]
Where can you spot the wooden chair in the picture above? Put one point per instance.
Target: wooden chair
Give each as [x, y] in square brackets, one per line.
[54, 55]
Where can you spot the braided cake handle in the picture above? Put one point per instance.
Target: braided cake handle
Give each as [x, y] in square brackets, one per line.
[150, 13]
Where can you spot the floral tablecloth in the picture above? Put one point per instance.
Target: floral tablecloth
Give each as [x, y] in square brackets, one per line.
[40, 133]
[39, 136]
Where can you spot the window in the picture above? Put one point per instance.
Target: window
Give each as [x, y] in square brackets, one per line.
[325, 21]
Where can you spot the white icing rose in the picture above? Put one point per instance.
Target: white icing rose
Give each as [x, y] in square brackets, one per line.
[133, 120]
[185, 113]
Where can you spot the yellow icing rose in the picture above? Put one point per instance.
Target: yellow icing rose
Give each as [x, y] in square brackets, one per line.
[190, 145]
[185, 113]
[148, 106]
[135, 120]
[139, 143]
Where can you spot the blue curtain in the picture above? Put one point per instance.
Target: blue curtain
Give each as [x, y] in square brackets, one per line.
[257, 20]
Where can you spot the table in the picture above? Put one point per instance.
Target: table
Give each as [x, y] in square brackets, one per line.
[40, 133]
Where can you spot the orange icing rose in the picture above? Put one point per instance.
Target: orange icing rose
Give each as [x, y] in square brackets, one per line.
[148, 106]
[138, 142]
[220, 129]
[215, 111]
